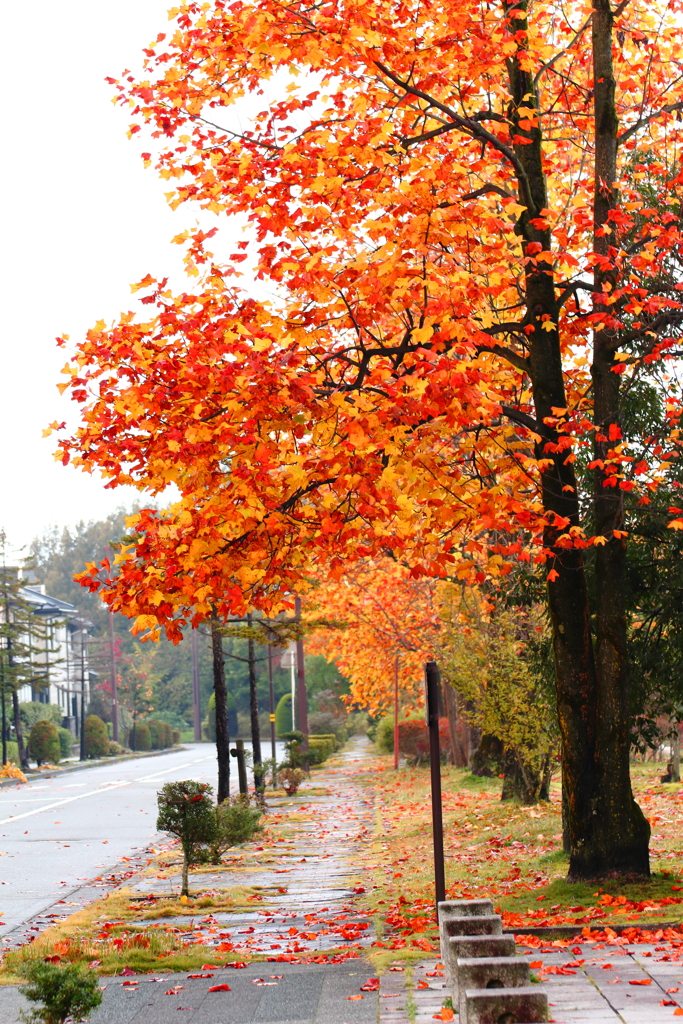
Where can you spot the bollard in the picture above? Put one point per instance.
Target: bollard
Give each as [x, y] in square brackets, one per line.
[238, 752]
[490, 973]
[459, 908]
[469, 946]
[523, 1005]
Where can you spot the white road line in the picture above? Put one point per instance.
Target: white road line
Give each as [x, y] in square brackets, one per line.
[93, 792]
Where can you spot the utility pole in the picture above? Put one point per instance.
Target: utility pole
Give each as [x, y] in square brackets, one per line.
[272, 713]
[396, 714]
[82, 723]
[302, 702]
[112, 670]
[4, 712]
[196, 706]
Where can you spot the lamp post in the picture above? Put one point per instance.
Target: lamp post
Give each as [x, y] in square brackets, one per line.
[432, 714]
[3, 647]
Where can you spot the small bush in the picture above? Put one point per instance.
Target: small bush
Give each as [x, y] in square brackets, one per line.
[12, 752]
[66, 742]
[290, 779]
[139, 737]
[326, 723]
[236, 822]
[175, 736]
[66, 992]
[96, 738]
[186, 811]
[283, 715]
[155, 733]
[321, 747]
[115, 749]
[33, 711]
[43, 742]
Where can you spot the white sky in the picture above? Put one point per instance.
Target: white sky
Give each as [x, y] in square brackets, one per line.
[81, 220]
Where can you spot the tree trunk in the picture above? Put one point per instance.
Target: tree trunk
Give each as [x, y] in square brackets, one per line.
[253, 708]
[676, 755]
[185, 891]
[222, 733]
[23, 754]
[607, 832]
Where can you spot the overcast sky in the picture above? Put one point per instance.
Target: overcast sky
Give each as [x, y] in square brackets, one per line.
[81, 220]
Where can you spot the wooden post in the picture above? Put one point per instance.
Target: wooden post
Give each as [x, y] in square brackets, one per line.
[238, 752]
[432, 714]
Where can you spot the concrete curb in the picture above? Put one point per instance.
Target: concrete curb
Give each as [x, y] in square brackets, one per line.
[53, 773]
[569, 931]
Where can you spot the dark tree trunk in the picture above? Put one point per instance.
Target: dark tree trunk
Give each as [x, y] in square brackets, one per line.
[519, 783]
[23, 754]
[222, 733]
[458, 755]
[607, 832]
[253, 709]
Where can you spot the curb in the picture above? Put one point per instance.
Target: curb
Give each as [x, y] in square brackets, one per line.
[567, 931]
[53, 773]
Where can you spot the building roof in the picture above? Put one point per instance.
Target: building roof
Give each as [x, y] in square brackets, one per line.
[43, 604]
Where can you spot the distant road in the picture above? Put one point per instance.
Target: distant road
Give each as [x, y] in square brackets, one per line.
[56, 834]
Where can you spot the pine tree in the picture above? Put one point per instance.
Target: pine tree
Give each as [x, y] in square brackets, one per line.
[23, 647]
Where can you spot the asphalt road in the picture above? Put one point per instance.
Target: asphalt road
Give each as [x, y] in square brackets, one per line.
[56, 834]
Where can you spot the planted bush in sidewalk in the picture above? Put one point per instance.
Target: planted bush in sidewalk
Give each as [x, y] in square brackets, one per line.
[187, 812]
[65, 992]
[236, 822]
[96, 737]
[43, 742]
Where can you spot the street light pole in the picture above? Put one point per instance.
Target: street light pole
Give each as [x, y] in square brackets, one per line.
[196, 706]
[112, 669]
[272, 713]
[83, 635]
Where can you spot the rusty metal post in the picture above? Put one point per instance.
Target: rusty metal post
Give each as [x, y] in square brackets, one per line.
[432, 713]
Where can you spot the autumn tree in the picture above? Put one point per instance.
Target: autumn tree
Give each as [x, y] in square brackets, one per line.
[467, 280]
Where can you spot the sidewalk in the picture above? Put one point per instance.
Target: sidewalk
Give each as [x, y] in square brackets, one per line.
[308, 904]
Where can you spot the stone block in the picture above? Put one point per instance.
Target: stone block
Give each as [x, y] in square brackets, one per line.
[490, 973]
[468, 946]
[459, 908]
[527, 1004]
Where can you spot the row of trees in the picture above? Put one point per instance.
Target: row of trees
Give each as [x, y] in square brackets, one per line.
[469, 220]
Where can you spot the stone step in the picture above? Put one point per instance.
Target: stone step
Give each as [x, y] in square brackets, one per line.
[492, 972]
[527, 1004]
[468, 946]
[459, 908]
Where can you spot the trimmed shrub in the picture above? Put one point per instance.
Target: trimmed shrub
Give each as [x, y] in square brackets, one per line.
[168, 735]
[139, 737]
[115, 749]
[186, 811]
[236, 822]
[283, 715]
[66, 742]
[96, 738]
[67, 992]
[321, 746]
[43, 742]
[155, 733]
[175, 736]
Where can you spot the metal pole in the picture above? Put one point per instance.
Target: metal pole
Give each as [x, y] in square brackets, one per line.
[82, 693]
[4, 711]
[196, 704]
[302, 700]
[272, 713]
[112, 670]
[396, 714]
[432, 712]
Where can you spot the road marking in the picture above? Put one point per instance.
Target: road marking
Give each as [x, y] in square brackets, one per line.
[93, 792]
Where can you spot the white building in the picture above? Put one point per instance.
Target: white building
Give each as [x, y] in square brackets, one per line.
[64, 671]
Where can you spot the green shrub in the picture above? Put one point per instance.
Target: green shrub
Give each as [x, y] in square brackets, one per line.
[139, 737]
[168, 735]
[384, 734]
[236, 822]
[33, 711]
[66, 992]
[326, 723]
[175, 736]
[96, 738]
[186, 811]
[155, 733]
[321, 746]
[43, 742]
[66, 742]
[283, 715]
[115, 749]
[12, 752]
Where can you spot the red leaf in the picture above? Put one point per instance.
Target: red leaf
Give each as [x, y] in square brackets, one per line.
[220, 988]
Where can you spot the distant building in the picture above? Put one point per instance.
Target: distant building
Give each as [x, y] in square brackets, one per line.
[64, 676]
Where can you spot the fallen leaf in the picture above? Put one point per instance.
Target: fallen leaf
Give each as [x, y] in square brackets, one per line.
[641, 981]
[355, 997]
